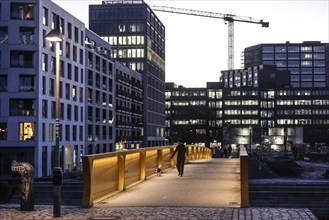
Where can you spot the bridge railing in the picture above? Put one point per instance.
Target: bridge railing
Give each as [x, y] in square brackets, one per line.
[110, 173]
[244, 177]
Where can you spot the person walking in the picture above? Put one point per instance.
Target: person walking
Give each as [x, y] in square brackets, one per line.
[181, 149]
[229, 151]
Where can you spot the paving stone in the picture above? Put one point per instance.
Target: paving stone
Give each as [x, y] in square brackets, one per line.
[44, 212]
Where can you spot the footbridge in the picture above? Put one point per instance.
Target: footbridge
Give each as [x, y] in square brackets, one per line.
[128, 178]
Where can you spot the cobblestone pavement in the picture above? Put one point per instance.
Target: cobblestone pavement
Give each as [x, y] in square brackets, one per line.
[11, 212]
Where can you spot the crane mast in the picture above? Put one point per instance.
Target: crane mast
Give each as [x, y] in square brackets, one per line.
[229, 18]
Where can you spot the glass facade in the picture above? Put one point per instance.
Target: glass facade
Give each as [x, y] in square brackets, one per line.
[299, 59]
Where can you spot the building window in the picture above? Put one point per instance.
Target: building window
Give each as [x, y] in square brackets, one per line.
[67, 49]
[21, 107]
[69, 30]
[21, 59]
[69, 112]
[280, 49]
[3, 131]
[62, 26]
[308, 49]
[319, 49]
[44, 63]
[43, 132]
[21, 11]
[81, 55]
[44, 108]
[268, 49]
[3, 83]
[76, 34]
[81, 37]
[74, 93]
[76, 113]
[74, 132]
[76, 74]
[51, 87]
[319, 63]
[75, 53]
[81, 94]
[293, 49]
[80, 133]
[26, 131]
[67, 91]
[306, 63]
[26, 83]
[51, 132]
[69, 71]
[67, 132]
[45, 16]
[53, 110]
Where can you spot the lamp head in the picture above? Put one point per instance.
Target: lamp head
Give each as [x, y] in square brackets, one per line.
[54, 35]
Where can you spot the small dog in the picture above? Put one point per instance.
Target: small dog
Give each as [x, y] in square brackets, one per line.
[158, 170]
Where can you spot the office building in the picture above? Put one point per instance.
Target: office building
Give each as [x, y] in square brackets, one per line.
[137, 37]
[306, 61]
[194, 114]
[255, 107]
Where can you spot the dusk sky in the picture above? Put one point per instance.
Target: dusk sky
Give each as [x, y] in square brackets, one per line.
[196, 47]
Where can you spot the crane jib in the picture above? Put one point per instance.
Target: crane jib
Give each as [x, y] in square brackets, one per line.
[229, 18]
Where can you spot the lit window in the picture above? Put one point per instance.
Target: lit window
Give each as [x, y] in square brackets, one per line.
[3, 131]
[26, 131]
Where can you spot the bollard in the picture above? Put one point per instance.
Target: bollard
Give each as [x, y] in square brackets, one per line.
[26, 172]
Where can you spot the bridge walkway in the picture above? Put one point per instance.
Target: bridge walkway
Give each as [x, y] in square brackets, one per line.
[209, 189]
[205, 183]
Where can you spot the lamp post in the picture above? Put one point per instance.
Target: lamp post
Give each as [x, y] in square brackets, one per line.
[285, 136]
[57, 176]
[250, 138]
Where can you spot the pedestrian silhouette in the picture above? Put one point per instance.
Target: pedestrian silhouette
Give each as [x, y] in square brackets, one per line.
[225, 152]
[229, 151]
[181, 149]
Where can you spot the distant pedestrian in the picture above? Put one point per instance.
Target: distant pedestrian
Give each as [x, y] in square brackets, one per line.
[229, 151]
[181, 149]
[238, 152]
[225, 152]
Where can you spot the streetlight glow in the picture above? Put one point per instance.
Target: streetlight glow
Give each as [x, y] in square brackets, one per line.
[54, 35]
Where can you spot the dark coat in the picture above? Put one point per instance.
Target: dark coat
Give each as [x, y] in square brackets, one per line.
[181, 149]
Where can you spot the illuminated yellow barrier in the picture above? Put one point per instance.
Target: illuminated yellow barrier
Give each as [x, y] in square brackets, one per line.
[107, 174]
[244, 177]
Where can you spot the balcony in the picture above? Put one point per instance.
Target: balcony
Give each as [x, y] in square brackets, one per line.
[26, 35]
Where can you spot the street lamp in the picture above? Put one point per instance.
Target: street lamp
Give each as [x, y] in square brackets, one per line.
[250, 138]
[285, 136]
[56, 36]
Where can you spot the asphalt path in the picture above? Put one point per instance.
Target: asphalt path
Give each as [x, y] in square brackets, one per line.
[205, 183]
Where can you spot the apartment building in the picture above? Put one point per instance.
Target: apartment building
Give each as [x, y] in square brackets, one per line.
[128, 107]
[90, 84]
[27, 75]
[100, 95]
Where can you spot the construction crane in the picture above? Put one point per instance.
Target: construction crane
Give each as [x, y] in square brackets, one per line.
[229, 18]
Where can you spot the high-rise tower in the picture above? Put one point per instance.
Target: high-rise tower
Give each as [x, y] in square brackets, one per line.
[137, 37]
